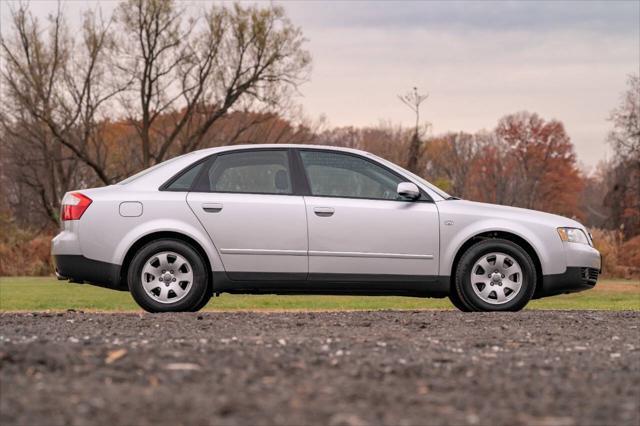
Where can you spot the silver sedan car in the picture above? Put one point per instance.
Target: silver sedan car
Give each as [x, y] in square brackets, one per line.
[300, 219]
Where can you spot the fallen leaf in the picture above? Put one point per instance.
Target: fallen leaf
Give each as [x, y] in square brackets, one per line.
[182, 366]
[115, 355]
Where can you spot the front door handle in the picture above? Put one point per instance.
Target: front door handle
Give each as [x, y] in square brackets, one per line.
[324, 211]
[212, 207]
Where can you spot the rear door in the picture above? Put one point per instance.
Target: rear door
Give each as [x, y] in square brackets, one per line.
[245, 201]
[359, 229]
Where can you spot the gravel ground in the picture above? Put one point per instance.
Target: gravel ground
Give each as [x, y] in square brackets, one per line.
[335, 368]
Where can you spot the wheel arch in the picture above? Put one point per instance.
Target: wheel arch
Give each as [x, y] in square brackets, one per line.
[505, 235]
[142, 241]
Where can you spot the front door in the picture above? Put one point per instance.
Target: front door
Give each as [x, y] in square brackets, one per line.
[359, 228]
[245, 201]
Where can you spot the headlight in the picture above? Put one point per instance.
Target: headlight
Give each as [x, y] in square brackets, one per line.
[573, 235]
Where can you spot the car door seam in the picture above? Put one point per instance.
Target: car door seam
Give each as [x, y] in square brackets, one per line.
[204, 228]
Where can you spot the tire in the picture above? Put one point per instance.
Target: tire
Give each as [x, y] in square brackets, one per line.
[205, 300]
[495, 275]
[455, 300]
[168, 275]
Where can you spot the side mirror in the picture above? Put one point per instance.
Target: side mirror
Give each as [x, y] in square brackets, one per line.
[408, 190]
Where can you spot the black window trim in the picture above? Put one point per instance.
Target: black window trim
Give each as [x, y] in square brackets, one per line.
[199, 181]
[427, 198]
[299, 179]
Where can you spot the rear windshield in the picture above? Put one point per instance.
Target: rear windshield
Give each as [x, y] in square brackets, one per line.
[150, 169]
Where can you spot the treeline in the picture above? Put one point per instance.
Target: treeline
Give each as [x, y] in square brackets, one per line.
[89, 106]
[525, 161]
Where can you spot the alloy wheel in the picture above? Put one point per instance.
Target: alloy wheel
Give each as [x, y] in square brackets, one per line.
[496, 278]
[167, 277]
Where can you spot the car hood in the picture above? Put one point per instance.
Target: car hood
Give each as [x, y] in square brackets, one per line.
[477, 209]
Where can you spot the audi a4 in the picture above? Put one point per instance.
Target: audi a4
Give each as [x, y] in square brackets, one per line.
[300, 219]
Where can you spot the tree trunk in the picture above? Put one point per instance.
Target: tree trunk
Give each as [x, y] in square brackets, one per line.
[414, 153]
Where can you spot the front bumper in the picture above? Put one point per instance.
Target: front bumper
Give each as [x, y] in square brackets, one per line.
[79, 269]
[583, 267]
[582, 255]
[573, 280]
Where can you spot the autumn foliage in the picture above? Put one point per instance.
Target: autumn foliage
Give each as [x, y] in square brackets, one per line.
[534, 167]
[149, 83]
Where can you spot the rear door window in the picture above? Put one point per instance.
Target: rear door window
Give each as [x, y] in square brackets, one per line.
[250, 172]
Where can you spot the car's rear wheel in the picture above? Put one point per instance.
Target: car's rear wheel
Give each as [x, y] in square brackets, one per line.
[168, 276]
[495, 275]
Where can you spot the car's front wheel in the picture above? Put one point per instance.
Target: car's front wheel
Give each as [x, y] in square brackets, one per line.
[457, 302]
[495, 275]
[168, 276]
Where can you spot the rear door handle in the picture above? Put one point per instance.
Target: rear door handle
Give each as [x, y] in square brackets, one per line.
[212, 207]
[324, 211]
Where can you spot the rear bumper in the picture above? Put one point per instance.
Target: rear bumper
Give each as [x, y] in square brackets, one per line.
[573, 280]
[79, 269]
[66, 242]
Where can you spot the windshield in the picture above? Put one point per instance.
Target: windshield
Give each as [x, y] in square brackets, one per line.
[429, 185]
[150, 169]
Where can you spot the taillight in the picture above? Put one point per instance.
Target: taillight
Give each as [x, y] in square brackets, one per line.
[74, 206]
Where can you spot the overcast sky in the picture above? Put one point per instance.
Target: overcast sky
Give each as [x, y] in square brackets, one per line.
[478, 60]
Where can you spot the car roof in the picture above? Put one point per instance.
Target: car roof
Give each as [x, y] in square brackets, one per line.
[224, 148]
[163, 171]
[159, 174]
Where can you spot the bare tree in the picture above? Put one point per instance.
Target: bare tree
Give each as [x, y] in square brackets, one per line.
[54, 90]
[623, 196]
[172, 76]
[413, 100]
[60, 83]
[198, 70]
[625, 136]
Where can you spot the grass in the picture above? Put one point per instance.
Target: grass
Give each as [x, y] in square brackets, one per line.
[46, 293]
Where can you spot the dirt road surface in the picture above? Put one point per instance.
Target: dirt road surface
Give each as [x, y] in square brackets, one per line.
[344, 368]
